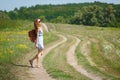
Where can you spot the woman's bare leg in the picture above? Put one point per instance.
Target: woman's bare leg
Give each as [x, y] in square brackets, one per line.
[38, 57]
[31, 60]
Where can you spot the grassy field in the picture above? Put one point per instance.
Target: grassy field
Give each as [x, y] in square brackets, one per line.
[56, 63]
[14, 43]
[98, 52]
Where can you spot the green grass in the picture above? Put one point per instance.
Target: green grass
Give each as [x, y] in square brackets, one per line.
[109, 67]
[56, 63]
[14, 42]
[85, 63]
[108, 60]
[105, 51]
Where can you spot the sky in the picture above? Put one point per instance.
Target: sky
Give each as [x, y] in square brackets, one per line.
[12, 4]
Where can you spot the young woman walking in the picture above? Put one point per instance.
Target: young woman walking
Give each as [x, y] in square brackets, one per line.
[38, 42]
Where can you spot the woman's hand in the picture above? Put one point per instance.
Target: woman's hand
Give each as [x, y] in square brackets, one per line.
[36, 45]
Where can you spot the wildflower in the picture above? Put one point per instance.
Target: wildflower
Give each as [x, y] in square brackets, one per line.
[8, 39]
[11, 51]
[22, 32]
[24, 46]
[1, 55]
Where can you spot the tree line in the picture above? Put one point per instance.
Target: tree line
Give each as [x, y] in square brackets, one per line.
[97, 16]
[93, 14]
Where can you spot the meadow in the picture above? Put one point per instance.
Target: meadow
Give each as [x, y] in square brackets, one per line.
[98, 52]
[14, 43]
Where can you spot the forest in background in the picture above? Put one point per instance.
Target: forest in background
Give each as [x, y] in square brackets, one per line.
[92, 14]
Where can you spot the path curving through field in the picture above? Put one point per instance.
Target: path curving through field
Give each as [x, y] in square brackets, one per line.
[73, 62]
[24, 72]
[40, 73]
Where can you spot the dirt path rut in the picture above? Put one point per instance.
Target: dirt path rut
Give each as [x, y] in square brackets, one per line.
[73, 62]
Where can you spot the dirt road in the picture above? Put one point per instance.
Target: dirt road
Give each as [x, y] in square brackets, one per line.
[73, 62]
[25, 72]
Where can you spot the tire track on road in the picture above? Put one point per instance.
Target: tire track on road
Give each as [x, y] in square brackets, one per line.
[71, 59]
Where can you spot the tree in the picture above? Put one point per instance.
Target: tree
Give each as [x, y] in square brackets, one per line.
[86, 16]
[59, 19]
[4, 16]
[109, 16]
[43, 18]
[95, 16]
[77, 17]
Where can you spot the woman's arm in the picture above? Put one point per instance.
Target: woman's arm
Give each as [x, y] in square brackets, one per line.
[36, 41]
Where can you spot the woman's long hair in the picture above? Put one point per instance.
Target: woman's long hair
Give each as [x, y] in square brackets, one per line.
[37, 24]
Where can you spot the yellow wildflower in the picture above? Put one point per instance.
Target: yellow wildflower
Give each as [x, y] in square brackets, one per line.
[22, 46]
[22, 32]
[11, 51]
